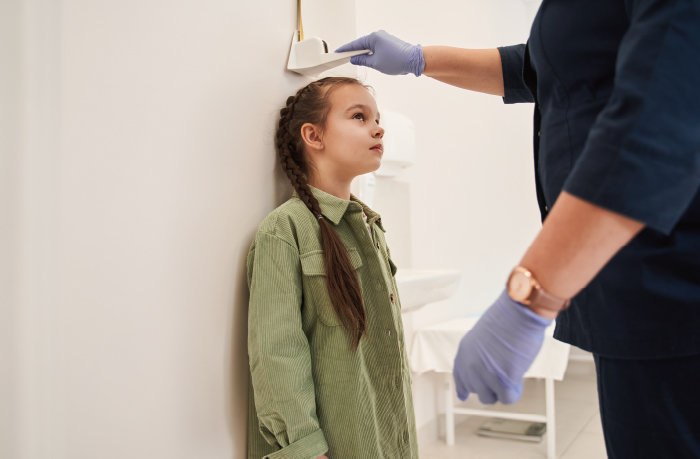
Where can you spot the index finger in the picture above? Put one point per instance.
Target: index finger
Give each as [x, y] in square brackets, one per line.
[355, 45]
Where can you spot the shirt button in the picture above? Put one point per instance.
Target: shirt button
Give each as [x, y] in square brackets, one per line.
[388, 333]
[538, 133]
[377, 245]
[392, 298]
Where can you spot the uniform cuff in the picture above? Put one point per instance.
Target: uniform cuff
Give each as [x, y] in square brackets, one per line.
[647, 189]
[309, 447]
[512, 66]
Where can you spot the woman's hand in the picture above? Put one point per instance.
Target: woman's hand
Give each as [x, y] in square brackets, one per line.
[495, 354]
[390, 54]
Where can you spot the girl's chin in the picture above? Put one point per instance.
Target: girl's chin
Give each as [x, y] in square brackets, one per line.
[368, 169]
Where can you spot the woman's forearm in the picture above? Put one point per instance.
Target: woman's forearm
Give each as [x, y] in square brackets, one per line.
[474, 69]
[576, 241]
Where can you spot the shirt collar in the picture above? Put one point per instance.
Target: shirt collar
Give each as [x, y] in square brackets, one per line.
[334, 208]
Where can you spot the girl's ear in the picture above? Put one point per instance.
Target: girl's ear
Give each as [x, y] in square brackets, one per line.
[311, 134]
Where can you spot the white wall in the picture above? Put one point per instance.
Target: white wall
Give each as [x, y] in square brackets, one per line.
[137, 160]
[9, 228]
[470, 197]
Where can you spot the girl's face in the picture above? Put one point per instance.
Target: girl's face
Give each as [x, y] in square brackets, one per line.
[352, 137]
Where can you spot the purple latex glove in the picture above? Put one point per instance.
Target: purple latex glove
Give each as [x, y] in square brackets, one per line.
[494, 355]
[390, 55]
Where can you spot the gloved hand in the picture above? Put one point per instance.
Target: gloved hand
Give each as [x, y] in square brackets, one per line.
[494, 355]
[390, 55]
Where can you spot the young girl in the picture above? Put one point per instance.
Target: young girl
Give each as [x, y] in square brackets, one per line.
[329, 370]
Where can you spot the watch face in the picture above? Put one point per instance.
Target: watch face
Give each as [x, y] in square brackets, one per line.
[519, 286]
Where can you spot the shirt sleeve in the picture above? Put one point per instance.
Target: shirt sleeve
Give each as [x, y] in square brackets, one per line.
[642, 155]
[515, 86]
[280, 360]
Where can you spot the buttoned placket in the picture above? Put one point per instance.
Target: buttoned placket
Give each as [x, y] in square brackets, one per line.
[381, 285]
[369, 229]
[395, 381]
[372, 231]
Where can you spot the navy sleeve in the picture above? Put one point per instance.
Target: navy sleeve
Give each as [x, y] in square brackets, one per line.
[512, 60]
[642, 155]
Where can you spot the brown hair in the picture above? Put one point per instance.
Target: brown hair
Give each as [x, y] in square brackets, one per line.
[310, 105]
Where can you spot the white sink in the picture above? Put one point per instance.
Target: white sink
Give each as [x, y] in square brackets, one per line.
[420, 287]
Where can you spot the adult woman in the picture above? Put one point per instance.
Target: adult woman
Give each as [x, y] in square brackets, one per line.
[617, 155]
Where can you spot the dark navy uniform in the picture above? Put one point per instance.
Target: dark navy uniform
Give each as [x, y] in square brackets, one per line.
[616, 87]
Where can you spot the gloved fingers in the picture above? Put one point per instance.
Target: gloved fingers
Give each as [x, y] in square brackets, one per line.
[508, 391]
[486, 386]
[486, 395]
[512, 394]
[460, 388]
[487, 398]
[483, 382]
[364, 42]
[474, 379]
[362, 59]
[473, 383]
[504, 390]
[460, 371]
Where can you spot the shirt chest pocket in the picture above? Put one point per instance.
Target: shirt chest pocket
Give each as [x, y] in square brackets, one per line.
[315, 288]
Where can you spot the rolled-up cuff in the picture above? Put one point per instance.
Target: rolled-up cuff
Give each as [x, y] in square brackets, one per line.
[309, 447]
[640, 186]
[512, 66]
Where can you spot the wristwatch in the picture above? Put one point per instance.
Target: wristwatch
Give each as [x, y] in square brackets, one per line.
[524, 288]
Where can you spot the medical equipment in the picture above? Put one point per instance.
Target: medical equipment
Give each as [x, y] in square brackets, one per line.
[310, 56]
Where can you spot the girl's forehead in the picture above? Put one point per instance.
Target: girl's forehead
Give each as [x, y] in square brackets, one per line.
[352, 95]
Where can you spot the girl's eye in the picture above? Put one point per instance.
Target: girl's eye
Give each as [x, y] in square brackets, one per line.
[359, 116]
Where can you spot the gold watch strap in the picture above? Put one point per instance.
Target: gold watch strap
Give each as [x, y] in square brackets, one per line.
[540, 298]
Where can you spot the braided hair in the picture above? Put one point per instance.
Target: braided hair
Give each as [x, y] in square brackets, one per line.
[310, 105]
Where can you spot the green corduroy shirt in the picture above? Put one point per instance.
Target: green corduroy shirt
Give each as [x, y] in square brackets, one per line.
[310, 394]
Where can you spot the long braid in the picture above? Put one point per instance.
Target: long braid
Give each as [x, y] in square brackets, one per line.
[287, 149]
[309, 105]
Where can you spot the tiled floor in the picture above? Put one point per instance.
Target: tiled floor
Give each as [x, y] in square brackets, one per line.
[578, 433]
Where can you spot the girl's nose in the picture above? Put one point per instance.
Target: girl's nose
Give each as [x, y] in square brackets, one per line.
[378, 132]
